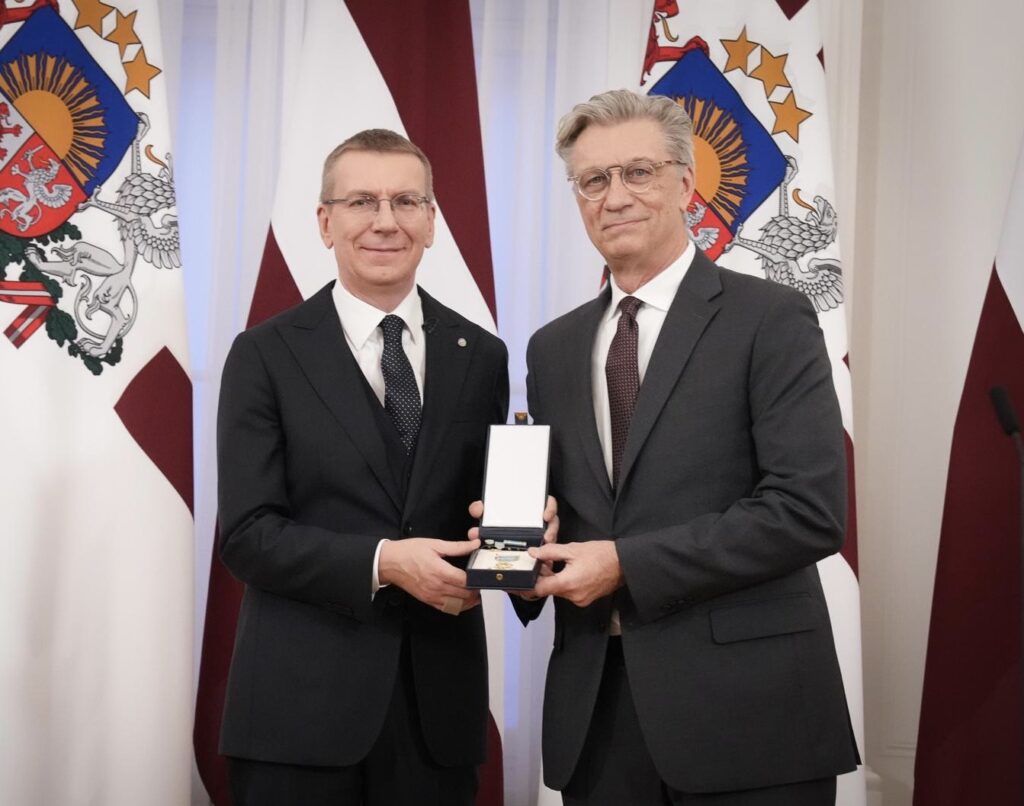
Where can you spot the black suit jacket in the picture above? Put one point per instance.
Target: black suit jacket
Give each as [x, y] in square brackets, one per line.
[306, 492]
[732, 487]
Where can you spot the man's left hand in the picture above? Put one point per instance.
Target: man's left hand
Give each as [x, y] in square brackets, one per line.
[591, 571]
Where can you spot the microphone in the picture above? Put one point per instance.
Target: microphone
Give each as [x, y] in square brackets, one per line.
[1004, 410]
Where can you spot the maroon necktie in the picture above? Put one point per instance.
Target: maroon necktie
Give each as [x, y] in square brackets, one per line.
[623, 380]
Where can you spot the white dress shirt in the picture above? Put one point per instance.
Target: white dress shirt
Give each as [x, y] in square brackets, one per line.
[360, 322]
[656, 295]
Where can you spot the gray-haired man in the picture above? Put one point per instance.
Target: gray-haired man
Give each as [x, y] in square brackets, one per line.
[699, 466]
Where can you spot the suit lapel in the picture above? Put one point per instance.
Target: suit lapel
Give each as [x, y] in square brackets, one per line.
[318, 343]
[450, 348]
[581, 352]
[691, 311]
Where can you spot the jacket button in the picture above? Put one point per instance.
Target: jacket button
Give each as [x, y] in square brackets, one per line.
[407, 529]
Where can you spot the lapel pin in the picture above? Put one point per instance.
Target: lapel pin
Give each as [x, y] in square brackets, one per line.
[462, 342]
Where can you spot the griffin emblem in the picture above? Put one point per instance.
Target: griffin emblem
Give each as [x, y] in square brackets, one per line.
[787, 239]
[140, 197]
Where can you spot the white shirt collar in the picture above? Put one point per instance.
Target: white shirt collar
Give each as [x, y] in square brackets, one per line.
[360, 319]
[660, 290]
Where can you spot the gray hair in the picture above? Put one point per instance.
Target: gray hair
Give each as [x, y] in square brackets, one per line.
[620, 106]
[383, 141]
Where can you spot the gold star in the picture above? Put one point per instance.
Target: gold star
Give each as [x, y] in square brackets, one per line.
[139, 73]
[788, 116]
[739, 51]
[771, 71]
[91, 14]
[124, 32]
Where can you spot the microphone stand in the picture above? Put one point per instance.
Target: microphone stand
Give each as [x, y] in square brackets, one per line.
[1008, 420]
[1018, 442]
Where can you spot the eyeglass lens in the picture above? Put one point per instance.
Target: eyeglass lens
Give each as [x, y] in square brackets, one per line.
[636, 176]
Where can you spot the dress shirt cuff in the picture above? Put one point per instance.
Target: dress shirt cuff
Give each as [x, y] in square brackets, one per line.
[375, 581]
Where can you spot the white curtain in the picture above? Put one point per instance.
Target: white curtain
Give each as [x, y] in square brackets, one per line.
[229, 123]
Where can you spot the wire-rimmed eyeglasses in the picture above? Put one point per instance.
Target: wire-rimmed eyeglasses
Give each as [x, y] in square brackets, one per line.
[404, 205]
[636, 176]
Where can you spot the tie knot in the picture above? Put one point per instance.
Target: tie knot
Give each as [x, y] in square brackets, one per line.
[392, 327]
[628, 306]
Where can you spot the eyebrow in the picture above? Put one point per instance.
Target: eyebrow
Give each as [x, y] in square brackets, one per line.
[627, 162]
[359, 192]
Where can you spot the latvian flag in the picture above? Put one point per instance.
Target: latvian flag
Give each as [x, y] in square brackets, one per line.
[96, 529]
[365, 64]
[969, 747]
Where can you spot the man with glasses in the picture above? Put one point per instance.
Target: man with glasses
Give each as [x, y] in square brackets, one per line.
[699, 465]
[348, 426]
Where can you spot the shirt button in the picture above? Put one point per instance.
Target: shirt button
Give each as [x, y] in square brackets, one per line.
[407, 529]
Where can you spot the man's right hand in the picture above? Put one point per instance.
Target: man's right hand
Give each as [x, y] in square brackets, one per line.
[417, 566]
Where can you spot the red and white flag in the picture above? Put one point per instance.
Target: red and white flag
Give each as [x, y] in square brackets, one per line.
[969, 746]
[96, 579]
[411, 70]
[752, 78]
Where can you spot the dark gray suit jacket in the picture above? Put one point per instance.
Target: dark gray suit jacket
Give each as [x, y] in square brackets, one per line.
[306, 492]
[732, 487]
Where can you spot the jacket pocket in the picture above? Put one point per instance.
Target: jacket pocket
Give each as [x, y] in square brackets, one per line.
[761, 619]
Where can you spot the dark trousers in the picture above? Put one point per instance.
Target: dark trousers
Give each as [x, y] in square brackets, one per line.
[615, 767]
[397, 772]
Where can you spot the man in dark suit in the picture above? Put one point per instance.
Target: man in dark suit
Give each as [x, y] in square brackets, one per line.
[699, 465]
[348, 425]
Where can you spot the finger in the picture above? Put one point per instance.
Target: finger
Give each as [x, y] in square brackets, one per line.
[474, 533]
[451, 605]
[552, 551]
[448, 581]
[471, 601]
[451, 584]
[439, 592]
[550, 508]
[551, 532]
[476, 509]
[456, 548]
[549, 586]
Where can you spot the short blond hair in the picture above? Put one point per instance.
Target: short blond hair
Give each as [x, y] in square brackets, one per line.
[383, 141]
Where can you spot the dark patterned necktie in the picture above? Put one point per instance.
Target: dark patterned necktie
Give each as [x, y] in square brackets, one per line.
[401, 395]
[623, 376]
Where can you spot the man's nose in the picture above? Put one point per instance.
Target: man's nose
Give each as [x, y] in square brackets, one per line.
[384, 218]
[618, 194]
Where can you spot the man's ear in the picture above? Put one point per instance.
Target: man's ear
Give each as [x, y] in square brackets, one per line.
[431, 211]
[323, 220]
[688, 183]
